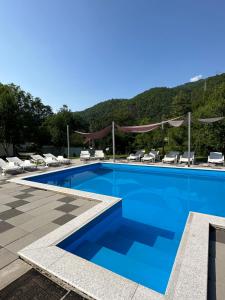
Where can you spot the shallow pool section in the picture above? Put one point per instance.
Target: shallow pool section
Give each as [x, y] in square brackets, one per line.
[139, 237]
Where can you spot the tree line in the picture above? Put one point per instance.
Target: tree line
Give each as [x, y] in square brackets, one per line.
[24, 119]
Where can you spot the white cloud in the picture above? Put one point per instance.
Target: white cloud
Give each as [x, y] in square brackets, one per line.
[196, 78]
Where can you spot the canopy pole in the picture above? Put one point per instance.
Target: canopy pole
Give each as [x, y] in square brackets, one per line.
[113, 139]
[189, 138]
[68, 141]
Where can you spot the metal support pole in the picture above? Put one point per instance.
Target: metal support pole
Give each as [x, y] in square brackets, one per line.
[189, 137]
[113, 140]
[68, 141]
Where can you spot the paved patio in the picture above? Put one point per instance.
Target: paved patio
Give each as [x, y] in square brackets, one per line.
[26, 214]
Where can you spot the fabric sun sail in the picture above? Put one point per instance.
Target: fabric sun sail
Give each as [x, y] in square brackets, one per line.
[95, 135]
[176, 123]
[147, 128]
[211, 120]
[138, 129]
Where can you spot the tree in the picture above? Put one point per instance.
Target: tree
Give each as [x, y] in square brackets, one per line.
[9, 125]
[57, 123]
[21, 116]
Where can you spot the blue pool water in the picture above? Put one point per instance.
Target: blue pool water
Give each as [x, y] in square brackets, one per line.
[139, 237]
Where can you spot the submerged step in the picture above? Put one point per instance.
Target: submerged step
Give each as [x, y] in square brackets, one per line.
[150, 276]
[129, 267]
[151, 256]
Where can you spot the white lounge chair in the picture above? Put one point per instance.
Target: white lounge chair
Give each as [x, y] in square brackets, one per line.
[58, 158]
[184, 157]
[99, 154]
[137, 156]
[216, 158]
[47, 161]
[8, 167]
[26, 164]
[171, 157]
[85, 155]
[151, 156]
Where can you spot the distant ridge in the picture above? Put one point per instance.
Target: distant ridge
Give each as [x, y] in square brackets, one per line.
[157, 103]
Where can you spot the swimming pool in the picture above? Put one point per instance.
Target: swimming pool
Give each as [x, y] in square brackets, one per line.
[139, 239]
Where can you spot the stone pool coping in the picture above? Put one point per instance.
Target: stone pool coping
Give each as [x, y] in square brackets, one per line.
[188, 278]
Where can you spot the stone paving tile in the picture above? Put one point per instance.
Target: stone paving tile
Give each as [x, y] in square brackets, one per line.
[78, 211]
[17, 203]
[6, 257]
[10, 214]
[67, 199]
[5, 199]
[35, 204]
[21, 243]
[41, 220]
[21, 219]
[13, 271]
[23, 196]
[4, 208]
[4, 226]
[67, 207]
[64, 219]
[82, 201]
[13, 192]
[35, 198]
[44, 208]
[29, 190]
[56, 196]
[11, 235]
[43, 230]
[44, 193]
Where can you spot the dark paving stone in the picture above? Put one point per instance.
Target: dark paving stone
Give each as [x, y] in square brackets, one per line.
[67, 199]
[67, 207]
[63, 219]
[23, 196]
[32, 285]
[73, 296]
[4, 226]
[29, 190]
[35, 286]
[10, 214]
[17, 203]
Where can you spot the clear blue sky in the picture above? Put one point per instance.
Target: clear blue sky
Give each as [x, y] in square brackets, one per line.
[80, 52]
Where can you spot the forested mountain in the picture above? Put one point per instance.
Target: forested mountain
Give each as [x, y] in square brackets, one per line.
[155, 104]
[204, 98]
[25, 119]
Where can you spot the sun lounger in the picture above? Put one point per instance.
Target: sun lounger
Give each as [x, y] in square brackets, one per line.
[216, 158]
[26, 164]
[8, 167]
[171, 157]
[58, 158]
[99, 154]
[137, 156]
[151, 156]
[184, 157]
[47, 161]
[85, 155]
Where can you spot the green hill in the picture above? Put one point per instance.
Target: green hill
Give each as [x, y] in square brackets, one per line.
[204, 98]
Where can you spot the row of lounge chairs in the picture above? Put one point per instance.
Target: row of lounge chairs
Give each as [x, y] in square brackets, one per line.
[18, 165]
[174, 157]
[86, 155]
